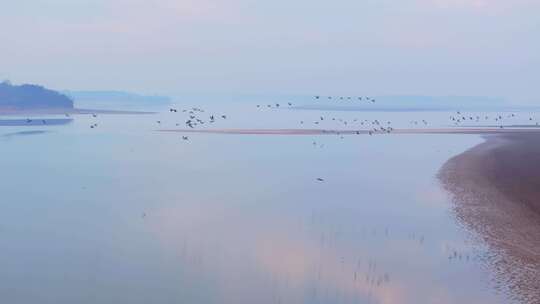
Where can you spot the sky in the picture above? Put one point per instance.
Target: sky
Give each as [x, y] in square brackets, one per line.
[349, 47]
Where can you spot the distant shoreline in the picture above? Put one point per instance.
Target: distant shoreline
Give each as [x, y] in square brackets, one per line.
[496, 194]
[63, 111]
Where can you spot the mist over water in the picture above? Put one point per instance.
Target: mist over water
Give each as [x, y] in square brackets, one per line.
[122, 213]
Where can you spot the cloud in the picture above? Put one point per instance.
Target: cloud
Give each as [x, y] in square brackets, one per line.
[492, 6]
[475, 4]
[144, 12]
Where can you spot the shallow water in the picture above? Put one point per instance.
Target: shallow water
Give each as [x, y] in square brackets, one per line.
[123, 214]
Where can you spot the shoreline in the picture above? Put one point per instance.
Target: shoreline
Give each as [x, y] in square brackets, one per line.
[453, 130]
[60, 111]
[495, 188]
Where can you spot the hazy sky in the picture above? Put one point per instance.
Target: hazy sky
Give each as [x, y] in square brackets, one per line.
[437, 47]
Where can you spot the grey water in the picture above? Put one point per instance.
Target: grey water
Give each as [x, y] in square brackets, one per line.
[122, 213]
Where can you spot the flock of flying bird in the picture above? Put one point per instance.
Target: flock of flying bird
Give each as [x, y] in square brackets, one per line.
[337, 98]
[377, 126]
[459, 118]
[350, 98]
[196, 117]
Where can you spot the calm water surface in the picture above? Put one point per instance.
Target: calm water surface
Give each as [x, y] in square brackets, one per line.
[124, 214]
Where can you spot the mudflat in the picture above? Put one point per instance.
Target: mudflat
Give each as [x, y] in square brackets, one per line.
[496, 191]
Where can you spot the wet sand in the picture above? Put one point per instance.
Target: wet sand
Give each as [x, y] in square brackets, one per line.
[496, 191]
[452, 130]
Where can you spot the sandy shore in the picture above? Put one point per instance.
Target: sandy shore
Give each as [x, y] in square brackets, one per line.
[452, 130]
[496, 190]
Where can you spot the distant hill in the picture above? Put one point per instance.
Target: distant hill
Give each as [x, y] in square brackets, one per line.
[28, 97]
[406, 103]
[116, 99]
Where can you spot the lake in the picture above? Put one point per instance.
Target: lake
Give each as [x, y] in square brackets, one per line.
[122, 213]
